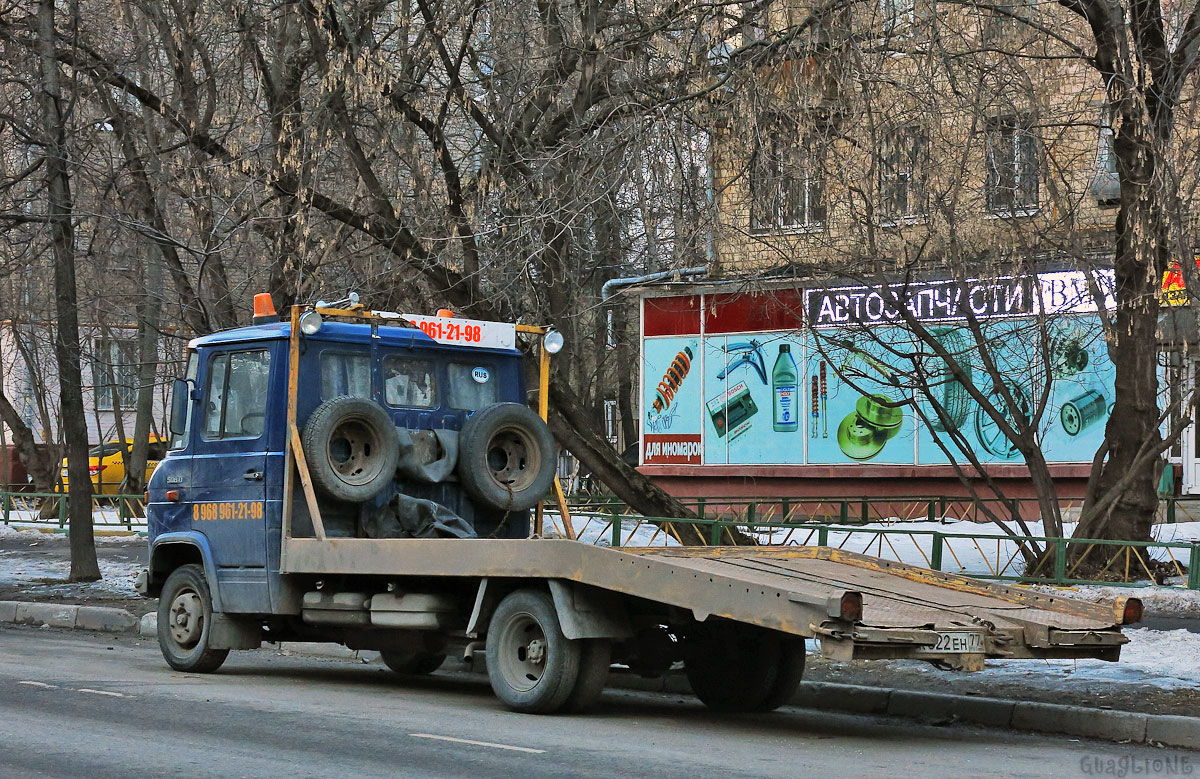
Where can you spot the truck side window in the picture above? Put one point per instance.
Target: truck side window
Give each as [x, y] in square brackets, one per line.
[345, 374]
[408, 382]
[472, 386]
[236, 400]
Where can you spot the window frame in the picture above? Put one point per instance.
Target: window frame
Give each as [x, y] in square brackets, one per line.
[908, 145]
[451, 401]
[779, 162]
[434, 391]
[341, 352]
[229, 354]
[1012, 134]
[114, 380]
[898, 16]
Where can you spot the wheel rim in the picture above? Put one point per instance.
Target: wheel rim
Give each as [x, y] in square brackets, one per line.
[522, 652]
[513, 460]
[186, 619]
[352, 451]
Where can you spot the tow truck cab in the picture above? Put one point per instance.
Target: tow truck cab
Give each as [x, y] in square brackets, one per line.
[216, 499]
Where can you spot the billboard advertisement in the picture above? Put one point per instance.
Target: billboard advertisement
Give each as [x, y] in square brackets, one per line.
[671, 401]
[848, 389]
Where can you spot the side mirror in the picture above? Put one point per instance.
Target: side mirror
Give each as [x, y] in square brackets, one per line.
[180, 395]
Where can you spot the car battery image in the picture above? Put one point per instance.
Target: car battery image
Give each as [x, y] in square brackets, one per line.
[731, 408]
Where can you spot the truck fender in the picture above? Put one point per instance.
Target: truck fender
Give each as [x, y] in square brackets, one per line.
[170, 542]
[583, 611]
[588, 612]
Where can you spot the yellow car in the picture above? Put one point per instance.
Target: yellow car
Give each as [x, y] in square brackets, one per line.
[107, 467]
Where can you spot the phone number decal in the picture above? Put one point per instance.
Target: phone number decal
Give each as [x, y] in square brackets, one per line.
[252, 509]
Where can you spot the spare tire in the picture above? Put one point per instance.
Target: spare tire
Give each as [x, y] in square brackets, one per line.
[351, 447]
[506, 457]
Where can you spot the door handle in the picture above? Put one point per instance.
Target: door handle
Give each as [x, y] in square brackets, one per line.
[252, 475]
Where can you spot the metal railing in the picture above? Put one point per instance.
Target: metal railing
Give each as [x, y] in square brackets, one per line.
[848, 510]
[124, 512]
[994, 555]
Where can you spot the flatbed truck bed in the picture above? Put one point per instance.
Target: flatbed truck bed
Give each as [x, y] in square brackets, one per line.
[798, 590]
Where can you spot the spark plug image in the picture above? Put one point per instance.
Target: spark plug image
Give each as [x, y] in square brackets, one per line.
[671, 380]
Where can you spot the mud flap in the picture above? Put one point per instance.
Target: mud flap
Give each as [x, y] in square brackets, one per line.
[228, 632]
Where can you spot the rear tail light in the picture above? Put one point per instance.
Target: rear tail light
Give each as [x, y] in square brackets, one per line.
[1131, 613]
[851, 606]
[95, 469]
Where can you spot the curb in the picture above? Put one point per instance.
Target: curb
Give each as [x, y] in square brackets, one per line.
[1105, 724]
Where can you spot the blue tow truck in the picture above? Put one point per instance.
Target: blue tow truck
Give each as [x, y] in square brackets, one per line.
[368, 478]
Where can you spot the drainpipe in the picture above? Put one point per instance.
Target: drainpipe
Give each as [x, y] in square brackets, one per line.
[610, 287]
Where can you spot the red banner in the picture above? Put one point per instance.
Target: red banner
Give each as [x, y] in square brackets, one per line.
[675, 449]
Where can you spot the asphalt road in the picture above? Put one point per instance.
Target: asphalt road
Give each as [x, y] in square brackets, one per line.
[77, 705]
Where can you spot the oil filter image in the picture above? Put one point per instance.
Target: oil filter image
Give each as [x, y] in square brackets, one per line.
[1082, 411]
[676, 373]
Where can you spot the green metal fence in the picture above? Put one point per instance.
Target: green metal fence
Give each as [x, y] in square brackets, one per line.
[939, 550]
[124, 512]
[844, 509]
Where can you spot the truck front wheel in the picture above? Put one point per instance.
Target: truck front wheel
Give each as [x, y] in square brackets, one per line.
[532, 666]
[738, 668]
[185, 621]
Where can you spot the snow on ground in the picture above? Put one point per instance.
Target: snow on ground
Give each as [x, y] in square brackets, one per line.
[49, 577]
[1164, 659]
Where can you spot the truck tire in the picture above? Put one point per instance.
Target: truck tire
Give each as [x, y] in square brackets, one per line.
[532, 666]
[594, 662]
[788, 675]
[351, 447]
[408, 663]
[738, 668]
[184, 622]
[506, 457]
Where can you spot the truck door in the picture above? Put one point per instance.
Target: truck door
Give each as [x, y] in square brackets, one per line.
[229, 467]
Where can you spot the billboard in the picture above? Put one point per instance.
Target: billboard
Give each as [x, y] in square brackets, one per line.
[846, 391]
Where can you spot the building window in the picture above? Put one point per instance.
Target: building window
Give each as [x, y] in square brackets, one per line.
[903, 159]
[1012, 167]
[898, 15]
[1003, 18]
[1106, 184]
[115, 374]
[787, 188]
[610, 422]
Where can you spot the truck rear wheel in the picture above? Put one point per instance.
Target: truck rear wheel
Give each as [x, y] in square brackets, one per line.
[532, 666]
[506, 457]
[351, 447]
[594, 662]
[408, 663]
[185, 620]
[738, 668]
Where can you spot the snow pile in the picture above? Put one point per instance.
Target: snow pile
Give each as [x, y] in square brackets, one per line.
[1159, 658]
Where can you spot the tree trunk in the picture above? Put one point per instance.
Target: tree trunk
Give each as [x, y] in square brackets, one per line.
[41, 463]
[84, 566]
[1133, 426]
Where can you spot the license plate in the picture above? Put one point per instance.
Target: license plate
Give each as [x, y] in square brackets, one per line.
[956, 643]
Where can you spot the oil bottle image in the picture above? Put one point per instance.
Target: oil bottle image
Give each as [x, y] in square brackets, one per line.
[784, 377]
